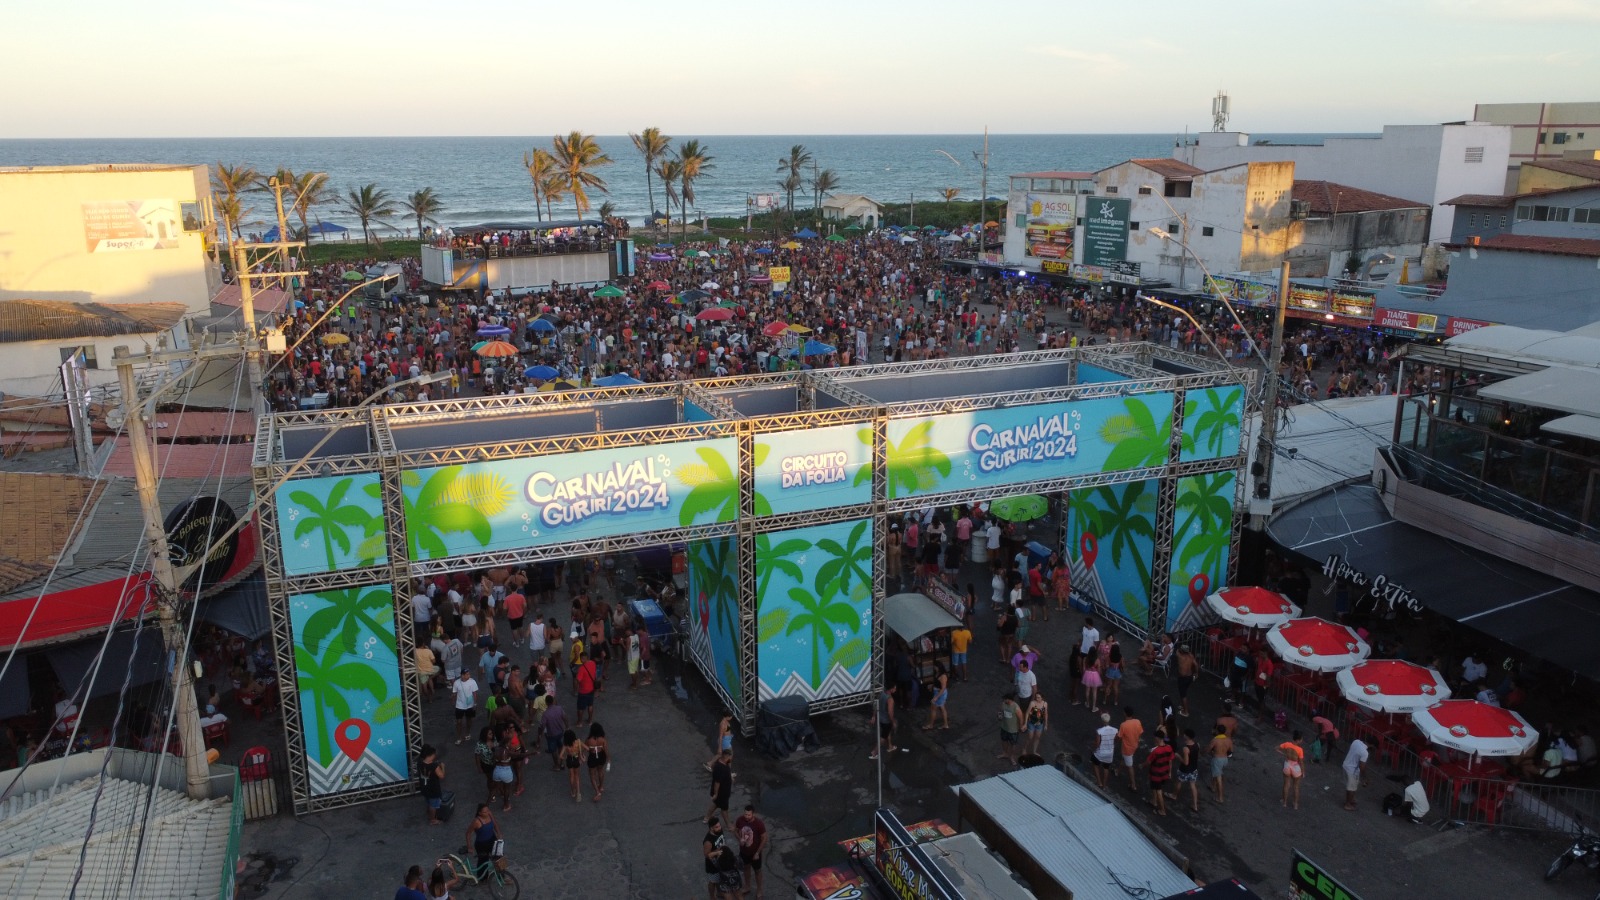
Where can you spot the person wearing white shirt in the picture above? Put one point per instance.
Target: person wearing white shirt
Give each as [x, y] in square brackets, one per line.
[1089, 636]
[1026, 682]
[421, 614]
[992, 534]
[465, 690]
[1355, 763]
[1416, 799]
[1473, 671]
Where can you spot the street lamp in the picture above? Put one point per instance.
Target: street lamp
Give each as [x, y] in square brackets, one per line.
[1192, 320]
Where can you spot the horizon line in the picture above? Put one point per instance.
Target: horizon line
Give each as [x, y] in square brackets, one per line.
[294, 137]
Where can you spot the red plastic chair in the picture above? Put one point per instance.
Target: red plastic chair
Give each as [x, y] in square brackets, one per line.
[1432, 778]
[1492, 799]
[217, 731]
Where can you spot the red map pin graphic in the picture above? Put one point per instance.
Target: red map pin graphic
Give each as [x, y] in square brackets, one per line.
[1088, 548]
[1199, 587]
[353, 746]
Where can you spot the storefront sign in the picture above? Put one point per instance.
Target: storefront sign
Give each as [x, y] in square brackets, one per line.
[1309, 881]
[813, 468]
[1105, 230]
[1091, 274]
[194, 530]
[1457, 325]
[1379, 587]
[996, 447]
[1056, 267]
[1242, 292]
[992, 259]
[905, 866]
[119, 225]
[1406, 321]
[778, 273]
[1052, 219]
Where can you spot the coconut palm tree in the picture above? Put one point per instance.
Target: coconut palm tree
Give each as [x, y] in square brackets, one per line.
[669, 170]
[227, 183]
[950, 194]
[424, 206]
[653, 146]
[606, 210]
[369, 203]
[576, 155]
[541, 166]
[822, 184]
[799, 157]
[311, 189]
[555, 188]
[694, 162]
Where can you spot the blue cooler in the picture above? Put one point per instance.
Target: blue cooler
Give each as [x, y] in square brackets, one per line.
[649, 613]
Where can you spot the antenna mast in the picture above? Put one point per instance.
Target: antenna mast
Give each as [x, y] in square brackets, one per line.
[1219, 111]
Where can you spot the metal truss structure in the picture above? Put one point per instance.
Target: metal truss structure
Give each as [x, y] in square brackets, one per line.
[848, 393]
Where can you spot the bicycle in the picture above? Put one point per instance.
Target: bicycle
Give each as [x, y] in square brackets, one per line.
[491, 873]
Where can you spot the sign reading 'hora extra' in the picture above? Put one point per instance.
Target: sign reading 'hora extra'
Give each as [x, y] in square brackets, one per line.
[813, 468]
[514, 503]
[1004, 446]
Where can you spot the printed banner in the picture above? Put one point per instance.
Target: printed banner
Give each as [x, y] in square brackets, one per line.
[714, 611]
[514, 503]
[1211, 420]
[813, 468]
[1005, 446]
[1105, 231]
[814, 621]
[1202, 530]
[347, 676]
[1406, 321]
[330, 524]
[1457, 325]
[778, 274]
[1051, 223]
[119, 225]
[1110, 545]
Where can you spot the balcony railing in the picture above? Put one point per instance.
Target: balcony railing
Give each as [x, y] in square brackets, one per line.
[467, 250]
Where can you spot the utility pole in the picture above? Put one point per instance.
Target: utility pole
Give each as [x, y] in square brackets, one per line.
[246, 259]
[913, 215]
[1267, 439]
[983, 194]
[196, 769]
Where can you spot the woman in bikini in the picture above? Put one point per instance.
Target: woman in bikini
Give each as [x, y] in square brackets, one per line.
[572, 753]
[597, 752]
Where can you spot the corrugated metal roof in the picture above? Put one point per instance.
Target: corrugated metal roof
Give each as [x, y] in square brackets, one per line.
[45, 320]
[1075, 835]
[185, 843]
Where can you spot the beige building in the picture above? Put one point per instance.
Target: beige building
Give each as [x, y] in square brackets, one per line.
[108, 234]
[864, 211]
[1542, 131]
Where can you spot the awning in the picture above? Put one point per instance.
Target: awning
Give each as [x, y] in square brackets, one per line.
[1562, 389]
[241, 609]
[1539, 614]
[913, 615]
[1586, 427]
[67, 614]
[141, 661]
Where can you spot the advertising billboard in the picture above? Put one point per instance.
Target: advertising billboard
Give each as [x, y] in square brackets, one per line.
[1050, 224]
[1405, 321]
[1309, 881]
[510, 504]
[814, 619]
[331, 524]
[1105, 230]
[347, 678]
[113, 226]
[813, 468]
[1004, 446]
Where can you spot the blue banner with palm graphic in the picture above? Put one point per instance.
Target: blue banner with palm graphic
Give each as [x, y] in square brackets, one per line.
[714, 611]
[813, 468]
[814, 613]
[347, 677]
[1111, 545]
[514, 503]
[1004, 446]
[332, 523]
[1212, 417]
[1201, 533]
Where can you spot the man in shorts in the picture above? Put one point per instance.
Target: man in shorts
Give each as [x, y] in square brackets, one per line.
[1104, 749]
[1220, 750]
[466, 694]
[721, 785]
[1128, 735]
[1010, 727]
[516, 610]
[752, 834]
[1159, 762]
[1188, 668]
[585, 679]
[960, 640]
[1355, 767]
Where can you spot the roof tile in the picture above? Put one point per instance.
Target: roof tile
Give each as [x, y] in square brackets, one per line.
[1529, 243]
[1581, 168]
[1331, 198]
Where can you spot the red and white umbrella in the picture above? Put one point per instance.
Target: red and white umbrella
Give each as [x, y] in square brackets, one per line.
[1476, 728]
[1392, 686]
[1317, 644]
[774, 329]
[1252, 606]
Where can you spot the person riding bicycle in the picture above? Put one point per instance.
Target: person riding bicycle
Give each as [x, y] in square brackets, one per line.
[483, 833]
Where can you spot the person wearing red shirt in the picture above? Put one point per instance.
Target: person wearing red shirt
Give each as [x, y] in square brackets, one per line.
[1159, 762]
[516, 609]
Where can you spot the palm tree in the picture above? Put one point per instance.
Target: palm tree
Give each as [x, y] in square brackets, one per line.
[820, 614]
[669, 170]
[576, 154]
[329, 516]
[311, 189]
[554, 188]
[349, 610]
[437, 507]
[424, 206]
[713, 488]
[822, 184]
[369, 203]
[849, 561]
[653, 146]
[950, 194]
[693, 162]
[230, 182]
[541, 166]
[606, 210]
[799, 157]
[339, 668]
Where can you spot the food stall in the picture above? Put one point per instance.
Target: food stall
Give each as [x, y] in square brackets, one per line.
[923, 626]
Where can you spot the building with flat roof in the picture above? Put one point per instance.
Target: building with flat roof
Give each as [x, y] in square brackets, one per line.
[1541, 131]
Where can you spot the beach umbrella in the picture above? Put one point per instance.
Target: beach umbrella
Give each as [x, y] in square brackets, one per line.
[837, 237]
[494, 349]
[991, 224]
[493, 331]
[611, 290]
[775, 329]
[479, 346]
[799, 329]
[621, 379]
[853, 227]
[1392, 686]
[1022, 508]
[730, 304]
[542, 325]
[334, 339]
[715, 314]
[659, 285]
[660, 257]
[760, 279]
[1317, 644]
[1476, 728]
[805, 234]
[702, 254]
[327, 228]
[710, 286]
[540, 373]
[354, 275]
[790, 245]
[818, 348]
[951, 237]
[929, 228]
[905, 239]
[764, 251]
[1252, 606]
[692, 294]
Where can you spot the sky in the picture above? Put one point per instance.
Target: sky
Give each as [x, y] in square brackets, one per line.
[229, 68]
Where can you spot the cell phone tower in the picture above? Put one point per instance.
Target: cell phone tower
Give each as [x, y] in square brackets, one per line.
[1219, 111]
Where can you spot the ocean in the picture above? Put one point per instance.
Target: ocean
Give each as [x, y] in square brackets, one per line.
[481, 179]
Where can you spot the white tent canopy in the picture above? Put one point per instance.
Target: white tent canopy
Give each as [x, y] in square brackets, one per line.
[1565, 390]
[913, 615]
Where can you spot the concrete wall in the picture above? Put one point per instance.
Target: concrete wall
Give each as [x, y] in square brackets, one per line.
[1586, 201]
[45, 252]
[1482, 222]
[1579, 123]
[1322, 246]
[31, 367]
[1522, 289]
[1426, 163]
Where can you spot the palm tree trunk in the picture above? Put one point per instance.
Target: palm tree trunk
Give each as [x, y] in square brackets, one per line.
[650, 191]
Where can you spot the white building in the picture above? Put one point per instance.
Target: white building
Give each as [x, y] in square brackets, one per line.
[109, 234]
[864, 211]
[1433, 163]
[37, 336]
[1042, 215]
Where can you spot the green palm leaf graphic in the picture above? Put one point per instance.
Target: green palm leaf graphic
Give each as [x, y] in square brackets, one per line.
[331, 517]
[819, 615]
[914, 465]
[718, 494]
[430, 515]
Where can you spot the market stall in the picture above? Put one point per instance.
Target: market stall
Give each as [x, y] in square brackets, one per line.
[923, 626]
